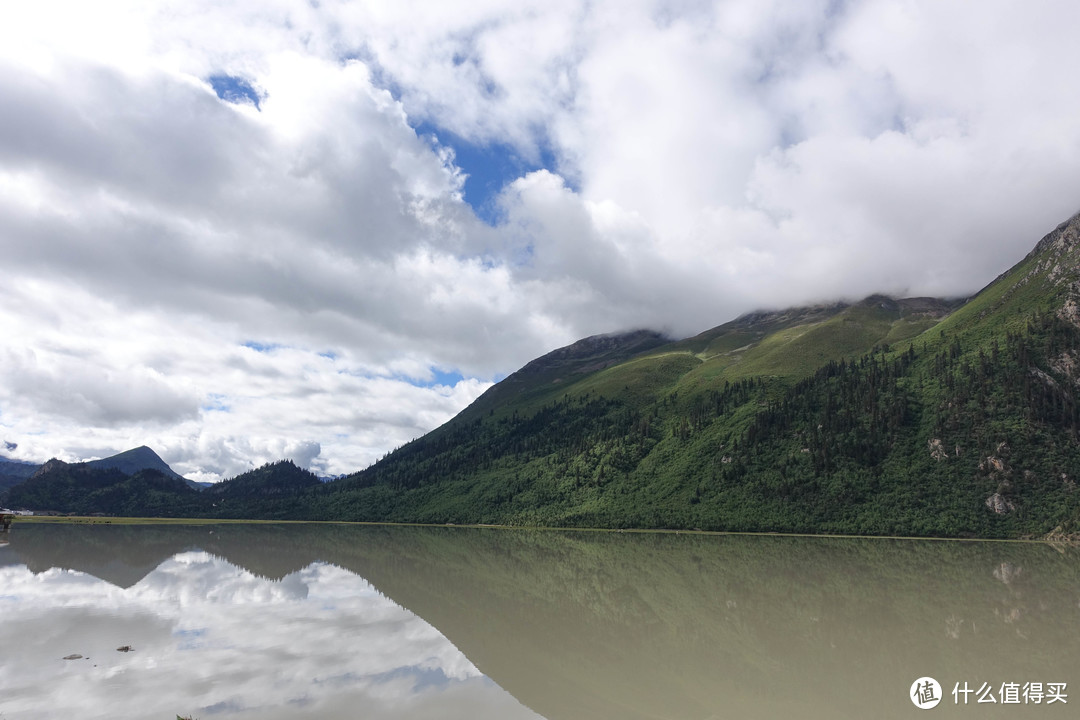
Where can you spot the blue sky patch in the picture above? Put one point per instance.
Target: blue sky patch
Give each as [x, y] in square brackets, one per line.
[489, 168]
[262, 347]
[234, 90]
[195, 632]
[422, 677]
[446, 378]
[216, 402]
[438, 377]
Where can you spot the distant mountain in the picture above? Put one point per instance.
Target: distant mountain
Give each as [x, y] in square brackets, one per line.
[134, 482]
[85, 489]
[13, 472]
[11, 466]
[101, 487]
[141, 458]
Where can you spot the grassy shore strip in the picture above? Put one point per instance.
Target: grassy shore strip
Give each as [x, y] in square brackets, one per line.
[87, 520]
[96, 520]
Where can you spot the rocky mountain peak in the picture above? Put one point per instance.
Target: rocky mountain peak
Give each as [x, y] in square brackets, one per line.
[1062, 239]
[49, 466]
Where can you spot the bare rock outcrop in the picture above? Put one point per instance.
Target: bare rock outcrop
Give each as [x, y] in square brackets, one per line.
[937, 450]
[1000, 504]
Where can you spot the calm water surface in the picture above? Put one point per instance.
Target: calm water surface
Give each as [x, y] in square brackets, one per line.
[254, 621]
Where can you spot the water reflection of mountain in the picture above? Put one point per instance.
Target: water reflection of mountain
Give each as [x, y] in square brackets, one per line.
[636, 626]
[119, 554]
[125, 554]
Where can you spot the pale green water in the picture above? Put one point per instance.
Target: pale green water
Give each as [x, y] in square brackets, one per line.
[380, 622]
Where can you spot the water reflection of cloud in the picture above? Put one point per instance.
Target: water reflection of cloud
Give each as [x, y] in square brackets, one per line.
[215, 640]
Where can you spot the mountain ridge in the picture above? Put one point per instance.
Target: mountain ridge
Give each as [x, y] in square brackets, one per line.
[135, 459]
[589, 354]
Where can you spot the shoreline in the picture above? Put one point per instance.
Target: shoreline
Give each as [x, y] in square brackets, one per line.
[97, 520]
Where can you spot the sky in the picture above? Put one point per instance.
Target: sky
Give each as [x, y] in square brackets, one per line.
[239, 231]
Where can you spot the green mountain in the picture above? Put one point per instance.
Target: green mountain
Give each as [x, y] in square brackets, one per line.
[131, 461]
[268, 492]
[280, 478]
[913, 416]
[86, 488]
[83, 488]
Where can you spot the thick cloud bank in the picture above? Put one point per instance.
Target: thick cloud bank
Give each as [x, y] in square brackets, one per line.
[224, 237]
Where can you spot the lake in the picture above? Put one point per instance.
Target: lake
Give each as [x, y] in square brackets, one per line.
[346, 621]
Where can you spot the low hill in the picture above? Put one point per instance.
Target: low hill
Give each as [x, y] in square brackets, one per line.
[279, 478]
[279, 490]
